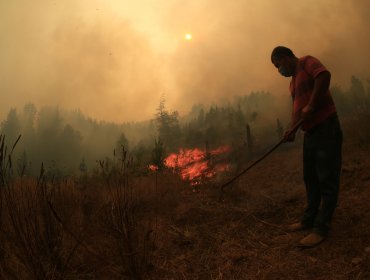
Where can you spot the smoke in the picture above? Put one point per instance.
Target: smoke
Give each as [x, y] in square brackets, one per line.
[101, 65]
[232, 55]
[113, 59]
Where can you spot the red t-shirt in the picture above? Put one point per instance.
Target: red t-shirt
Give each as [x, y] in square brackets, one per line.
[301, 87]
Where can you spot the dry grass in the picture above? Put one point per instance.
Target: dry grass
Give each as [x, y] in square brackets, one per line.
[157, 227]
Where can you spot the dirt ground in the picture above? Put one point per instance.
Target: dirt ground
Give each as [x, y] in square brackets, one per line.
[241, 234]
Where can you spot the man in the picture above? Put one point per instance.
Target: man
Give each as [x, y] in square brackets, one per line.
[312, 103]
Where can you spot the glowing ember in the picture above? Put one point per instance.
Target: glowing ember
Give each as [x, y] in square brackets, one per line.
[153, 167]
[220, 150]
[195, 165]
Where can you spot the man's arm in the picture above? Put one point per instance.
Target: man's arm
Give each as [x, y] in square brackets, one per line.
[321, 86]
[291, 137]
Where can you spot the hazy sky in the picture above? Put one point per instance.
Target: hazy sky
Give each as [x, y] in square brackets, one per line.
[113, 59]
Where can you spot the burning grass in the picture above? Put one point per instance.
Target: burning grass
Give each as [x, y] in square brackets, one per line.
[196, 165]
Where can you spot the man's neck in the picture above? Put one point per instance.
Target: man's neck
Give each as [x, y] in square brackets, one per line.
[295, 62]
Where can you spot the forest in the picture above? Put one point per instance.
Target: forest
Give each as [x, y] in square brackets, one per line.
[68, 142]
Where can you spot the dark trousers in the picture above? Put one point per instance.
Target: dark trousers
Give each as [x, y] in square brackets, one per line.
[322, 160]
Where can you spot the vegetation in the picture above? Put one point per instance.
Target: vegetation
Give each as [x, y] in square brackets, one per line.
[87, 215]
[114, 224]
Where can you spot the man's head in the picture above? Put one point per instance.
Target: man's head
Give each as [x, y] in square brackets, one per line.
[284, 60]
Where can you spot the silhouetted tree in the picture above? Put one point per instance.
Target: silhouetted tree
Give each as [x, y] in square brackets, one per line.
[121, 142]
[11, 127]
[200, 119]
[250, 144]
[28, 119]
[158, 154]
[83, 167]
[167, 125]
[342, 100]
[358, 93]
[141, 155]
[212, 135]
[193, 136]
[70, 144]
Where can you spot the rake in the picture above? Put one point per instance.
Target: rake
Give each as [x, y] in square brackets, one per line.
[282, 140]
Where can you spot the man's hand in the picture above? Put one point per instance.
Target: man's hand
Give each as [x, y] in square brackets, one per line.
[307, 112]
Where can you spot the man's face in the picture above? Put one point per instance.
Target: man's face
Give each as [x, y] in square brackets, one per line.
[284, 66]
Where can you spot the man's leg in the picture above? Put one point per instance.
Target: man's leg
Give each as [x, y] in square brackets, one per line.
[328, 167]
[311, 180]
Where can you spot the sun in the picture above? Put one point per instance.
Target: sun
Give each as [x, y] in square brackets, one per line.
[188, 36]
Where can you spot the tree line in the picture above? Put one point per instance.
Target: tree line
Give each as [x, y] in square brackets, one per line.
[69, 142]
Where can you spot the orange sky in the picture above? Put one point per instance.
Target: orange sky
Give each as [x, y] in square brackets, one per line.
[114, 59]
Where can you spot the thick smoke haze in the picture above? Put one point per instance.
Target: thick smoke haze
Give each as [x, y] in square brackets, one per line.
[114, 59]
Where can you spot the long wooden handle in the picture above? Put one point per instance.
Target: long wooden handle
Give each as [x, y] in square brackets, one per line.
[282, 140]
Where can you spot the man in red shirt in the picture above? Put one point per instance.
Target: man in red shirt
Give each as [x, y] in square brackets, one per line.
[312, 103]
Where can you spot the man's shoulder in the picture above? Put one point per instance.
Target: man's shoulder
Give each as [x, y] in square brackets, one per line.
[312, 65]
[307, 57]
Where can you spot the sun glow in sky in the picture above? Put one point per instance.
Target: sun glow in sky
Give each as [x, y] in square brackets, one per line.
[188, 36]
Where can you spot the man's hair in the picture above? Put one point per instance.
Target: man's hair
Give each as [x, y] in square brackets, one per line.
[280, 51]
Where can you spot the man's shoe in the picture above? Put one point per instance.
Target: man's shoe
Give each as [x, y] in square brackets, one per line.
[296, 227]
[311, 240]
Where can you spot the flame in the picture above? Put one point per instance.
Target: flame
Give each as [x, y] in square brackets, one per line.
[195, 165]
